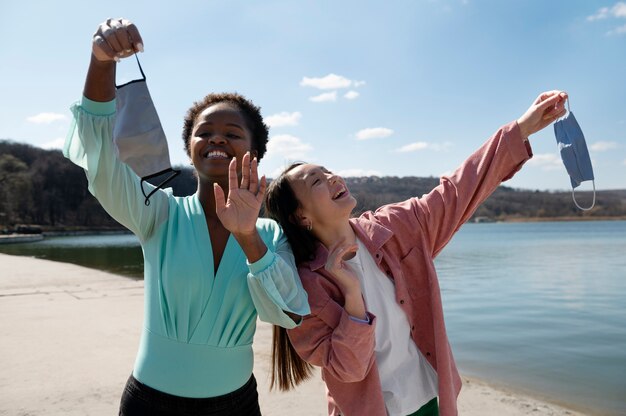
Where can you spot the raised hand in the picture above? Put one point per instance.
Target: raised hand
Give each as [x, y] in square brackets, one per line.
[240, 211]
[116, 39]
[336, 265]
[346, 277]
[548, 107]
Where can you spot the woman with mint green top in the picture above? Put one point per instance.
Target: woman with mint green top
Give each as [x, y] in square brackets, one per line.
[211, 265]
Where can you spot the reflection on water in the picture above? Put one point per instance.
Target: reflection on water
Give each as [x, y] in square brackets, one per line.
[541, 306]
[118, 253]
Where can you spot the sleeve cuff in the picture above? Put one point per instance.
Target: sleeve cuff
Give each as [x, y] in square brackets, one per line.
[262, 263]
[519, 147]
[367, 319]
[98, 108]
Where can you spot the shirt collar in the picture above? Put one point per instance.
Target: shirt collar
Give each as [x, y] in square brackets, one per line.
[372, 235]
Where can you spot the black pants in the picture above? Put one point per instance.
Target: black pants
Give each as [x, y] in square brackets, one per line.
[141, 400]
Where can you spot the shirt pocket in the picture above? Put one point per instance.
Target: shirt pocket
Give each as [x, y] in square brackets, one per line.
[415, 273]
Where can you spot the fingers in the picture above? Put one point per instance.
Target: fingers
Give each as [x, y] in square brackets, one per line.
[133, 35]
[340, 250]
[254, 176]
[232, 174]
[544, 95]
[220, 198]
[245, 171]
[116, 39]
[261, 194]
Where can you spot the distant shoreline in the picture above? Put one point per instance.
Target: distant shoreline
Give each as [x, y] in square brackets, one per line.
[49, 231]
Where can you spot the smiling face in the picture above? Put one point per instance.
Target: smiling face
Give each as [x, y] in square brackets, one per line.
[323, 196]
[219, 133]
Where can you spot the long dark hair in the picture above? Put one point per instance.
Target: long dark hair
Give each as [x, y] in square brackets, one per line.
[281, 204]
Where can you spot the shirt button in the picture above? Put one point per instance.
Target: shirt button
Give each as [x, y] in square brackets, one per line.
[401, 301]
[428, 354]
[412, 327]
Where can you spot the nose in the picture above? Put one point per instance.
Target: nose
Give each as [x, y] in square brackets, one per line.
[217, 139]
[332, 178]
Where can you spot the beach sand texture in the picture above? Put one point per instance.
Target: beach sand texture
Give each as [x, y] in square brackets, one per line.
[69, 337]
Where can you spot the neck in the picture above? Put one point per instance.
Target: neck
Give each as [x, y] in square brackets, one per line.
[332, 234]
[206, 195]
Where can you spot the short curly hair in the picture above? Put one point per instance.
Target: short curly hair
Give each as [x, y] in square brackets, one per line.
[251, 113]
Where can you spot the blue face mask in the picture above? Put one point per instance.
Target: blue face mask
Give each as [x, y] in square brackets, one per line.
[574, 154]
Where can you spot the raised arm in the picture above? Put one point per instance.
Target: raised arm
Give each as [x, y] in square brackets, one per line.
[441, 212]
[273, 280]
[90, 141]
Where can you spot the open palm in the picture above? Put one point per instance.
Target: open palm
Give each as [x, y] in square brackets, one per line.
[240, 211]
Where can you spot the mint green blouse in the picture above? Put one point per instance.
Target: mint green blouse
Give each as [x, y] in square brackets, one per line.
[198, 325]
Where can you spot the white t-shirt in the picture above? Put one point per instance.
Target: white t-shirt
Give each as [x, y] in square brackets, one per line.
[407, 380]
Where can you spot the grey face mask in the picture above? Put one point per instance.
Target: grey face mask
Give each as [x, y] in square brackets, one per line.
[574, 153]
[138, 135]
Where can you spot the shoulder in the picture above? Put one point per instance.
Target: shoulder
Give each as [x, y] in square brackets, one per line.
[392, 215]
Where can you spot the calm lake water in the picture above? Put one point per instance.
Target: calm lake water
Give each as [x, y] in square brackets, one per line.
[539, 307]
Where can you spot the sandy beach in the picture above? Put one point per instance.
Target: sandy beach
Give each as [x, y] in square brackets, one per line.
[70, 334]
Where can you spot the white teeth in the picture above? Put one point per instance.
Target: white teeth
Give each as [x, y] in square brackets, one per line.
[339, 193]
[216, 154]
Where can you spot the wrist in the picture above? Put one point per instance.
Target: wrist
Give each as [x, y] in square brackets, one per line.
[524, 132]
[247, 236]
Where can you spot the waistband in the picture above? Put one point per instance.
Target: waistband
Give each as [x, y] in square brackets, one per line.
[191, 370]
[139, 398]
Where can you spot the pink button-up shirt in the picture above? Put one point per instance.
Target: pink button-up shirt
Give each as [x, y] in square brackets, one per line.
[403, 238]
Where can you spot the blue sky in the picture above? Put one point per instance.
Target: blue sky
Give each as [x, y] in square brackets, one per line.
[404, 88]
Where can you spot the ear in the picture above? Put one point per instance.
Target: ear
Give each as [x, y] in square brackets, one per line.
[300, 219]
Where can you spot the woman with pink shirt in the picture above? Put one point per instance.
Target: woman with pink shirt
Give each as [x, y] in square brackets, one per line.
[376, 326]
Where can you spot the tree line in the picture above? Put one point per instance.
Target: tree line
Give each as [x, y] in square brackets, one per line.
[41, 187]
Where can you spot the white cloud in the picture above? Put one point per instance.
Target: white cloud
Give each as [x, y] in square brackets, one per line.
[603, 13]
[324, 97]
[621, 30]
[546, 161]
[618, 10]
[329, 82]
[416, 146]
[351, 95]
[413, 147]
[355, 173]
[54, 144]
[46, 118]
[287, 146]
[373, 133]
[603, 146]
[357, 84]
[283, 119]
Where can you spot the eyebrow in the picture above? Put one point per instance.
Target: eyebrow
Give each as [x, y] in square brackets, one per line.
[312, 174]
[209, 123]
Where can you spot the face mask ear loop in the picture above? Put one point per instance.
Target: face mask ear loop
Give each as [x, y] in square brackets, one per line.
[174, 173]
[140, 68]
[593, 203]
